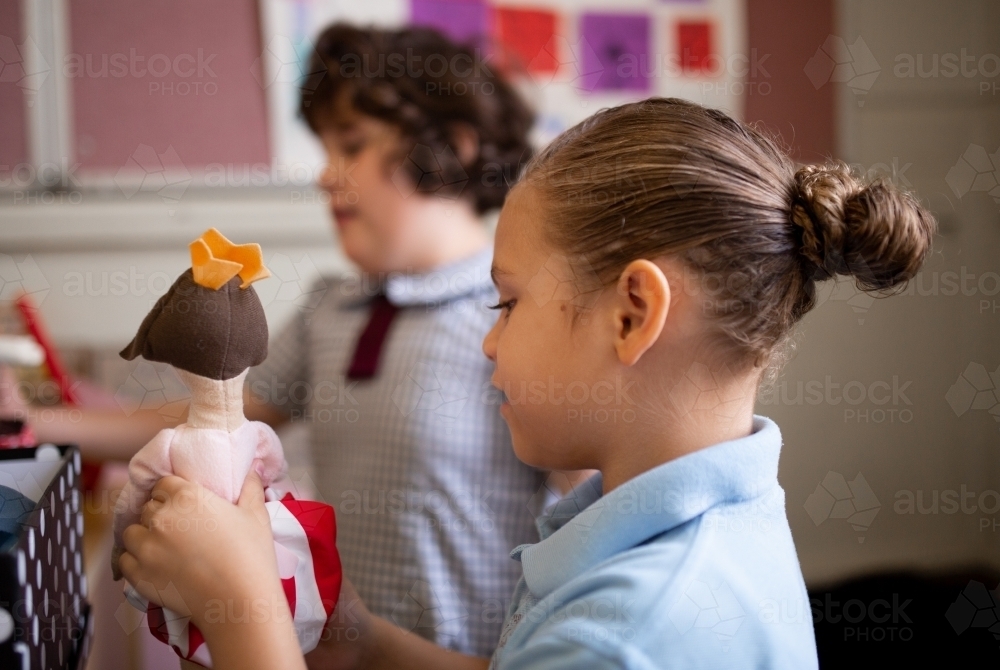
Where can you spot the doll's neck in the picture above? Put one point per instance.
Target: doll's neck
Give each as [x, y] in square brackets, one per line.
[215, 403]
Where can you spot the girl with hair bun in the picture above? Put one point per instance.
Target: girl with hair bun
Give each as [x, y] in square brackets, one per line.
[652, 263]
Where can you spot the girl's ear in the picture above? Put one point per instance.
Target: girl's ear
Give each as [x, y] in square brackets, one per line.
[642, 302]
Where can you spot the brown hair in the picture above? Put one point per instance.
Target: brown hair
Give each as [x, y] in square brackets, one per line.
[423, 83]
[669, 177]
[212, 333]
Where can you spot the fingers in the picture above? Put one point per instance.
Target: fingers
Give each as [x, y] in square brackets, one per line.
[133, 538]
[129, 568]
[252, 492]
[169, 486]
[252, 497]
[149, 511]
[133, 572]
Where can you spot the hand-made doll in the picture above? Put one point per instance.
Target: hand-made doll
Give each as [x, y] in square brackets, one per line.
[210, 327]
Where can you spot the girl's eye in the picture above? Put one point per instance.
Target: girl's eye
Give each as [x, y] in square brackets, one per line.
[353, 148]
[505, 305]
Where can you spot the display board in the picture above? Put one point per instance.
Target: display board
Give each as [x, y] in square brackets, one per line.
[569, 58]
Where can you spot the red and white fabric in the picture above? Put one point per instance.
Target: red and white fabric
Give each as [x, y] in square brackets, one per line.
[305, 534]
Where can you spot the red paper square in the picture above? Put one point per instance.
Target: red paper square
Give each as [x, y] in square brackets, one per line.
[526, 35]
[694, 46]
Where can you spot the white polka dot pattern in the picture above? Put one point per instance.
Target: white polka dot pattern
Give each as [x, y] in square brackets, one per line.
[54, 627]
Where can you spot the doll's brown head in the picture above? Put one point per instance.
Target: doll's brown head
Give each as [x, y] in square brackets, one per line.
[210, 322]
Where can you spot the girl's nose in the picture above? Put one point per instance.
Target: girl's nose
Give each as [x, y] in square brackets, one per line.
[490, 342]
[328, 178]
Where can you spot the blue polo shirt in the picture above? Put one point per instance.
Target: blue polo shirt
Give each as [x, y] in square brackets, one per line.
[688, 565]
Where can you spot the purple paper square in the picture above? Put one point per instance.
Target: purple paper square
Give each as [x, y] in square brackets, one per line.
[465, 21]
[617, 46]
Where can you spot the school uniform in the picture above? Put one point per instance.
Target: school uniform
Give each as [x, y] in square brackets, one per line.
[415, 458]
[688, 565]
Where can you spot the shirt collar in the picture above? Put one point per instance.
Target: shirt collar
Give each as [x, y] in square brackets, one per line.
[648, 505]
[469, 276]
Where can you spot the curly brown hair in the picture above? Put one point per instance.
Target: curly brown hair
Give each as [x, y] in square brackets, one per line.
[423, 83]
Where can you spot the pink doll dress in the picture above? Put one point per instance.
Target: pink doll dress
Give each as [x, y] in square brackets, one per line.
[304, 531]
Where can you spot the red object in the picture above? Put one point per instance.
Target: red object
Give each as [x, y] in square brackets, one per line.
[15, 433]
[526, 35]
[364, 364]
[319, 524]
[787, 35]
[29, 312]
[90, 471]
[694, 46]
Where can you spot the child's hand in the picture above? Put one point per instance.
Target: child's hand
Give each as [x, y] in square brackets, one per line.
[196, 553]
[354, 638]
[348, 636]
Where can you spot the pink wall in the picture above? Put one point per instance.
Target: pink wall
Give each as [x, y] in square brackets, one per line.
[791, 31]
[13, 118]
[218, 115]
[214, 113]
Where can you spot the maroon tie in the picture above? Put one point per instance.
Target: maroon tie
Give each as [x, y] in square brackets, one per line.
[369, 346]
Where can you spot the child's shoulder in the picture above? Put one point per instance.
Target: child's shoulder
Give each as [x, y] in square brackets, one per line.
[690, 595]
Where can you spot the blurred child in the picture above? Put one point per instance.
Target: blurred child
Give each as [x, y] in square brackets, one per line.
[696, 246]
[387, 369]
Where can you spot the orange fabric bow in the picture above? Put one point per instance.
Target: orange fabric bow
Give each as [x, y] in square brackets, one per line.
[215, 260]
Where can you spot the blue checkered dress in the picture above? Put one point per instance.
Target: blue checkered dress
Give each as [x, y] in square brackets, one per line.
[430, 498]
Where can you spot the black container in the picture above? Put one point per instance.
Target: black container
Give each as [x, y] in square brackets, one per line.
[44, 613]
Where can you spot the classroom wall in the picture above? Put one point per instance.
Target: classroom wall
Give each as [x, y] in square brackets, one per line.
[917, 436]
[166, 74]
[13, 138]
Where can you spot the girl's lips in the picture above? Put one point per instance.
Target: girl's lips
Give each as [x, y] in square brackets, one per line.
[503, 396]
[343, 216]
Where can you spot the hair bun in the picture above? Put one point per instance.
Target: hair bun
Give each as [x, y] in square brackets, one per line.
[876, 232]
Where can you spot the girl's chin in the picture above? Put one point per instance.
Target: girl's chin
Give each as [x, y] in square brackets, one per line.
[362, 255]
